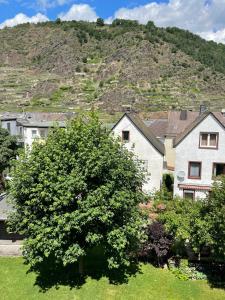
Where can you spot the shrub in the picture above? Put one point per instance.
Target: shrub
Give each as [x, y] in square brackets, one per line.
[100, 22]
[186, 272]
[158, 244]
[185, 220]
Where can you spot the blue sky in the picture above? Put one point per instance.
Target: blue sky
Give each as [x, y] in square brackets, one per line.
[204, 17]
[105, 9]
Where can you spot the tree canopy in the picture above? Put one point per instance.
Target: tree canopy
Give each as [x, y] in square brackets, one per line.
[215, 218]
[201, 223]
[78, 190]
[8, 151]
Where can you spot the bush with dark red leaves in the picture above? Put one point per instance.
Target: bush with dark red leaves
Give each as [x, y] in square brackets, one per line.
[157, 247]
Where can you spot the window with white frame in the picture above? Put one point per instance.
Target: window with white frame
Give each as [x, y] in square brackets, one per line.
[189, 194]
[34, 133]
[209, 140]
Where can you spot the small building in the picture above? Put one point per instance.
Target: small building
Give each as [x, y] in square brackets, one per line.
[199, 156]
[10, 243]
[33, 125]
[31, 130]
[149, 150]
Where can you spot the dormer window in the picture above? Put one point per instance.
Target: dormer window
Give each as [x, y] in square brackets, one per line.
[209, 140]
[125, 136]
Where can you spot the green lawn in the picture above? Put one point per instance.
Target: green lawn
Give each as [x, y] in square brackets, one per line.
[149, 283]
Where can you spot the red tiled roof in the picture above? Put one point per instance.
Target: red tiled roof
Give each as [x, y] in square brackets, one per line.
[195, 187]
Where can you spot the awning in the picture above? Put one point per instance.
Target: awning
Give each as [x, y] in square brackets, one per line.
[195, 187]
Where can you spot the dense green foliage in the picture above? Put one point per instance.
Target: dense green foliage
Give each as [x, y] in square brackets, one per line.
[78, 190]
[199, 223]
[215, 218]
[8, 151]
[185, 220]
[208, 53]
[100, 22]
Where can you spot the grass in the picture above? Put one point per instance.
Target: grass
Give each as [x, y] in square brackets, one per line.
[148, 283]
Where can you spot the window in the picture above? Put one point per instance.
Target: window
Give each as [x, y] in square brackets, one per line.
[43, 133]
[8, 127]
[218, 169]
[21, 130]
[208, 140]
[125, 136]
[194, 170]
[189, 194]
[34, 133]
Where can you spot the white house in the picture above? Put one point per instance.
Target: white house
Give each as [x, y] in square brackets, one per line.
[9, 122]
[139, 139]
[34, 130]
[199, 156]
[30, 126]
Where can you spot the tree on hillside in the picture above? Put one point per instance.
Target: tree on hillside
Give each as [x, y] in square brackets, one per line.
[79, 190]
[100, 22]
[8, 151]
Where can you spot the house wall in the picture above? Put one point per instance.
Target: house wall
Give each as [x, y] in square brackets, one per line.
[13, 127]
[188, 150]
[29, 138]
[169, 152]
[142, 148]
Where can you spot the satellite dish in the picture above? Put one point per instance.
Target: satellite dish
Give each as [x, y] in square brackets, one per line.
[180, 175]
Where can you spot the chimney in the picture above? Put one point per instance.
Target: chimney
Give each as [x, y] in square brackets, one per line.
[202, 109]
[183, 115]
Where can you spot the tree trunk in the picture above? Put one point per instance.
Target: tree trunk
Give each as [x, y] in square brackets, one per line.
[81, 265]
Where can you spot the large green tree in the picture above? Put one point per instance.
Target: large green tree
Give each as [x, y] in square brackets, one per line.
[8, 152]
[215, 218]
[78, 190]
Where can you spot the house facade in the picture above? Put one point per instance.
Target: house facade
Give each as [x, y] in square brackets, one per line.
[32, 126]
[199, 156]
[34, 130]
[148, 150]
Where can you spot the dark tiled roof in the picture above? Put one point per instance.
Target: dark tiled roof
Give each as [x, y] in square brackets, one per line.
[176, 125]
[10, 116]
[147, 132]
[157, 126]
[38, 116]
[40, 124]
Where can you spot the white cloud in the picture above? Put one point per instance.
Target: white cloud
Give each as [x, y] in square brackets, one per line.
[218, 36]
[79, 12]
[22, 18]
[205, 17]
[46, 4]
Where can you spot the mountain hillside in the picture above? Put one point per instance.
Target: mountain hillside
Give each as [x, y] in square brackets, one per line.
[78, 65]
